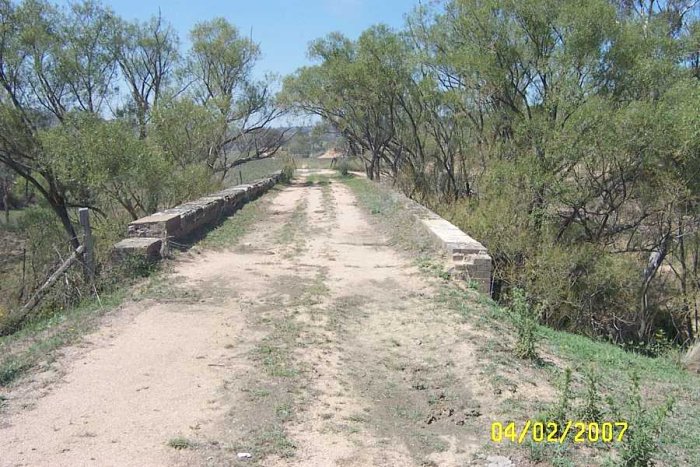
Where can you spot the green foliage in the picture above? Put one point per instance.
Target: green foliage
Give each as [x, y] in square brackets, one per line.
[288, 168]
[71, 136]
[45, 244]
[591, 410]
[105, 163]
[180, 443]
[659, 345]
[560, 134]
[306, 144]
[561, 411]
[237, 108]
[10, 369]
[218, 42]
[343, 167]
[186, 131]
[641, 442]
[525, 321]
[351, 87]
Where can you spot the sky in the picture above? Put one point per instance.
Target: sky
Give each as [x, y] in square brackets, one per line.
[282, 28]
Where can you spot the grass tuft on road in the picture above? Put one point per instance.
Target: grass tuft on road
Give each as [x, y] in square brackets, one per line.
[180, 443]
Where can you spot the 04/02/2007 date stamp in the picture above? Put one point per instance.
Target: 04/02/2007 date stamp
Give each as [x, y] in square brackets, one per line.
[553, 432]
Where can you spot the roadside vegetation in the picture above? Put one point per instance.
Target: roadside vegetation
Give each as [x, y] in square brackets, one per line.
[561, 134]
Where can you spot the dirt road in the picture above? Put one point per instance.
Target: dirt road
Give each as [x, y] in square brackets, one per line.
[309, 342]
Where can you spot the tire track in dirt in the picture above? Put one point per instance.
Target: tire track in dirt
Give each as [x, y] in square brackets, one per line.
[380, 395]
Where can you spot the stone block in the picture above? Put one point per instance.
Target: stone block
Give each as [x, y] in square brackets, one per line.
[469, 258]
[199, 213]
[148, 248]
[158, 225]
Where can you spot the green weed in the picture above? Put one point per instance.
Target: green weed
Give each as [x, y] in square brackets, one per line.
[525, 324]
[180, 443]
[591, 410]
[562, 409]
[640, 444]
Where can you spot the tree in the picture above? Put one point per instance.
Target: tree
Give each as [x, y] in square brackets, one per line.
[219, 70]
[352, 89]
[147, 54]
[559, 132]
[51, 62]
[105, 162]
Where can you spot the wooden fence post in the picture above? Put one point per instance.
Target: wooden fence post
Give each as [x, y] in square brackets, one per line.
[89, 253]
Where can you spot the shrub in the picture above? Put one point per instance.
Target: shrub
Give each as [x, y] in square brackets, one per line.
[640, 441]
[645, 424]
[47, 247]
[343, 167]
[526, 325]
[591, 408]
[288, 169]
[576, 286]
[560, 411]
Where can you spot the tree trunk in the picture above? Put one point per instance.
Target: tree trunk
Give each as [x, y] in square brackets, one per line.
[537, 209]
[141, 117]
[126, 204]
[59, 207]
[656, 258]
[6, 199]
[376, 164]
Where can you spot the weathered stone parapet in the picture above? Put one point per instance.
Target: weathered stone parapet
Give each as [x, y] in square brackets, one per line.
[467, 258]
[149, 248]
[189, 218]
[158, 225]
